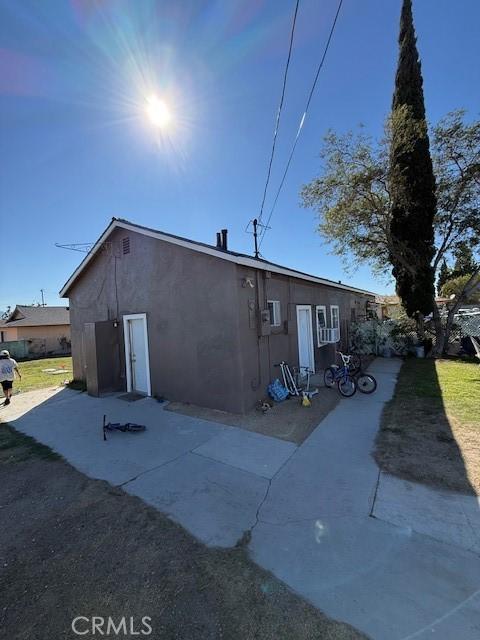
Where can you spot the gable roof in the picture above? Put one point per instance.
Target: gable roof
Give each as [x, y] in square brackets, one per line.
[25, 316]
[201, 247]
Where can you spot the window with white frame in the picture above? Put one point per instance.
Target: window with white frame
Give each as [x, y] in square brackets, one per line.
[274, 310]
[321, 313]
[335, 319]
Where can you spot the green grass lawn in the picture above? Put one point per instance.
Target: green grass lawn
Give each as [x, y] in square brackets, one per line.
[430, 430]
[33, 376]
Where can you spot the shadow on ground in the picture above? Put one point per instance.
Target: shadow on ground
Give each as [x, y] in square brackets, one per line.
[421, 440]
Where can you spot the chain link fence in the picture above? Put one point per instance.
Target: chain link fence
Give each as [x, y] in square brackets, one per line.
[399, 337]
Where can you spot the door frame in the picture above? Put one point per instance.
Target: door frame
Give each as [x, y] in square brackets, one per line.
[126, 340]
[306, 307]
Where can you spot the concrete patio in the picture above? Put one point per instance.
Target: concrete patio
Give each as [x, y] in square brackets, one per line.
[308, 509]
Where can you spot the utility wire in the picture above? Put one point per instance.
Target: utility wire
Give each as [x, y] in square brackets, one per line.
[279, 111]
[287, 167]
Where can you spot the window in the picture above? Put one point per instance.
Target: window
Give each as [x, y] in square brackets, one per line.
[274, 310]
[321, 313]
[335, 318]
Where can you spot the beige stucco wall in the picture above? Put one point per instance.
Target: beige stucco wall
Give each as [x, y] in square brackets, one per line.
[9, 334]
[45, 339]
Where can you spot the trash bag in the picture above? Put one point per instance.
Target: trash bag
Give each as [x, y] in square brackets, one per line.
[277, 391]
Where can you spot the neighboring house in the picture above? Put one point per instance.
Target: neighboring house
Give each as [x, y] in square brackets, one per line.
[170, 317]
[45, 330]
[391, 308]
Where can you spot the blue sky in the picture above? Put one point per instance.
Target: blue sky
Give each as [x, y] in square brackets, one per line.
[77, 148]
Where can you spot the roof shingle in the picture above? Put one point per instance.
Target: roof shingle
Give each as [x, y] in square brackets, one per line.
[25, 316]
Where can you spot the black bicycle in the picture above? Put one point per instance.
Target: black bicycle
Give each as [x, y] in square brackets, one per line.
[117, 426]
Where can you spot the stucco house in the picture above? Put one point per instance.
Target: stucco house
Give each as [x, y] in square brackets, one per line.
[167, 316]
[46, 330]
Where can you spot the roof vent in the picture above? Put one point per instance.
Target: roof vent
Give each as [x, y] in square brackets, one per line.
[224, 239]
[126, 245]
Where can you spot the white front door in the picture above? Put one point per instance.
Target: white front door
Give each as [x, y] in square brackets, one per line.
[305, 338]
[136, 353]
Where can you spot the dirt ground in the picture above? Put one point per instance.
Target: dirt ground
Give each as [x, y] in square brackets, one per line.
[71, 546]
[286, 420]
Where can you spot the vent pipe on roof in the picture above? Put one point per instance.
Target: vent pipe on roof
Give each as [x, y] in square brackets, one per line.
[219, 240]
[224, 239]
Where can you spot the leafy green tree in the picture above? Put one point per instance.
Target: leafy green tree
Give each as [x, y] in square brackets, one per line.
[411, 180]
[455, 286]
[464, 262]
[353, 201]
[443, 276]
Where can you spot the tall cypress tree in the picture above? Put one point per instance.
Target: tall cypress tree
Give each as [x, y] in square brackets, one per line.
[412, 182]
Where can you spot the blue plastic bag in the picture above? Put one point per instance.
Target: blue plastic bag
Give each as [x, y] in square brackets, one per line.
[277, 391]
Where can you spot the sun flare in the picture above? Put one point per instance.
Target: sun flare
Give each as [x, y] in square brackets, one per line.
[158, 112]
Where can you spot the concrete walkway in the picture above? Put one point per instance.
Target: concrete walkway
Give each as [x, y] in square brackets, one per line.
[450, 517]
[316, 533]
[209, 478]
[308, 509]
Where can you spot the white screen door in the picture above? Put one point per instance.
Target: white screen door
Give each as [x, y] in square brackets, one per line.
[305, 338]
[136, 353]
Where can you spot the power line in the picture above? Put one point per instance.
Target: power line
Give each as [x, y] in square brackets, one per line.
[279, 111]
[287, 167]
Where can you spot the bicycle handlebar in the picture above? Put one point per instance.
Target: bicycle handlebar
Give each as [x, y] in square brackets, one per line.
[345, 359]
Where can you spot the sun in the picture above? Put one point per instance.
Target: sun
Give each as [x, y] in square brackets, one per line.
[158, 112]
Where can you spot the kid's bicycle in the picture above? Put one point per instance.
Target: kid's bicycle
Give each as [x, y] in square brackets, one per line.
[117, 426]
[349, 377]
[342, 376]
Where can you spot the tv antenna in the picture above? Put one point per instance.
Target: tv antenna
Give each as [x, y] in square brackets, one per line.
[84, 247]
[252, 227]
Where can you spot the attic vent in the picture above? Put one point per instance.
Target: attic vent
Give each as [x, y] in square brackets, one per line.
[126, 245]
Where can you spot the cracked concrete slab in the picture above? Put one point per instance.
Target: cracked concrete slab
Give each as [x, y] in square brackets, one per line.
[444, 515]
[249, 451]
[71, 424]
[316, 534]
[386, 581]
[215, 501]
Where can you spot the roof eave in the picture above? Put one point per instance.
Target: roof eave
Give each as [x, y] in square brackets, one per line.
[90, 255]
[201, 248]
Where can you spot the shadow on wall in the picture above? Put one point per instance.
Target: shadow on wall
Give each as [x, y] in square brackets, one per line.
[418, 440]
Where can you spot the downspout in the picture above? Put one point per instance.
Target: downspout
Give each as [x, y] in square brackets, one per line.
[257, 328]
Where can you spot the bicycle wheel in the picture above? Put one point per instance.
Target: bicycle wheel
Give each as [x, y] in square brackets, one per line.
[347, 386]
[355, 364]
[329, 377]
[366, 383]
